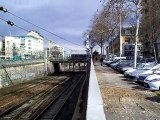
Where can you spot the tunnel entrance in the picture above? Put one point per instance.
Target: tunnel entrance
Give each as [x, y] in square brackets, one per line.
[56, 68]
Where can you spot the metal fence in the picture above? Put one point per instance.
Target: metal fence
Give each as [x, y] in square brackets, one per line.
[14, 71]
[20, 62]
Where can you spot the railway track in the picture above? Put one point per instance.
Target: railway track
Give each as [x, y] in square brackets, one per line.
[6, 112]
[24, 87]
[53, 109]
[36, 106]
[19, 97]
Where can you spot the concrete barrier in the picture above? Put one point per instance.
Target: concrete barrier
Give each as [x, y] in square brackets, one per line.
[95, 109]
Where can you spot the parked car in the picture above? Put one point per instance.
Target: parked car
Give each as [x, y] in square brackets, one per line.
[123, 67]
[146, 60]
[141, 77]
[128, 70]
[106, 62]
[132, 73]
[152, 82]
[116, 61]
[118, 58]
[114, 64]
[119, 62]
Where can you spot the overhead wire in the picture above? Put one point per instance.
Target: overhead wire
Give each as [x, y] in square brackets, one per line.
[28, 31]
[41, 28]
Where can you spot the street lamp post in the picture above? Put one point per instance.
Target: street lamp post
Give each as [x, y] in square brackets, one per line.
[154, 50]
[137, 31]
[101, 47]
[120, 37]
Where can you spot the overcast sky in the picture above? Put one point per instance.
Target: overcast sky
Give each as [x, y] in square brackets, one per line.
[67, 18]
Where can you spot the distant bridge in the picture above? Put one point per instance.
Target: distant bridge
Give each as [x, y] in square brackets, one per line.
[67, 60]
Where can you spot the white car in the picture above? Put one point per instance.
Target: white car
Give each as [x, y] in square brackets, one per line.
[107, 61]
[114, 64]
[142, 68]
[131, 69]
[152, 82]
[128, 71]
[147, 69]
[141, 77]
[126, 68]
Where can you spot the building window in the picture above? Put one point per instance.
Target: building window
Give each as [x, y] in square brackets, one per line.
[22, 40]
[127, 40]
[22, 46]
[127, 47]
[29, 40]
[7, 42]
[29, 47]
[29, 44]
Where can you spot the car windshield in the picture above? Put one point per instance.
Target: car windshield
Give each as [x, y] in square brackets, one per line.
[147, 66]
[117, 60]
[140, 66]
[130, 64]
[127, 62]
[123, 61]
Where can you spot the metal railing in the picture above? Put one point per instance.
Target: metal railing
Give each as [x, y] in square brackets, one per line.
[20, 62]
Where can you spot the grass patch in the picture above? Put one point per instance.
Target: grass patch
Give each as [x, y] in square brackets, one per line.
[158, 93]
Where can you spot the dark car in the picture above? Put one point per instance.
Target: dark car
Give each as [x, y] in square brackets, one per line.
[124, 64]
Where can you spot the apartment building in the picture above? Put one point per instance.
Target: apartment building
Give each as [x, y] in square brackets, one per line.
[55, 50]
[1, 46]
[128, 50]
[25, 47]
[128, 43]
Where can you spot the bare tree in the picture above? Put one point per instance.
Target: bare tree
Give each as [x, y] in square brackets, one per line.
[88, 40]
[106, 24]
[150, 29]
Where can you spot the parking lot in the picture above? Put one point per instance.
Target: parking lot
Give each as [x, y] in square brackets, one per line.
[124, 99]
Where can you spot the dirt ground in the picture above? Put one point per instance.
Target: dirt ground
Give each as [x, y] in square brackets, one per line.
[124, 99]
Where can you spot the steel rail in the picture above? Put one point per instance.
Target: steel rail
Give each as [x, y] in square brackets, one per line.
[54, 107]
[12, 108]
[23, 88]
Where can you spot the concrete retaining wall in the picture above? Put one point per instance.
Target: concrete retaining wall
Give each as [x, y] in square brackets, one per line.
[95, 109]
[13, 74]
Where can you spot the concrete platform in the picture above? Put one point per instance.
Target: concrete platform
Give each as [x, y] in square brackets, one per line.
[95, 110]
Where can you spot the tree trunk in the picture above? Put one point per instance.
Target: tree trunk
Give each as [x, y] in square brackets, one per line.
[101, 48]
[137, 31]
[155, 56]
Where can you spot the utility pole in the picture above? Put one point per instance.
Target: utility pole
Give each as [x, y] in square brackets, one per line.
[46, 61]
[120, 35]
[108, 53]
[101, 51]
[112, 48]
[101, 47]
[137, 31]
[155, 56]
